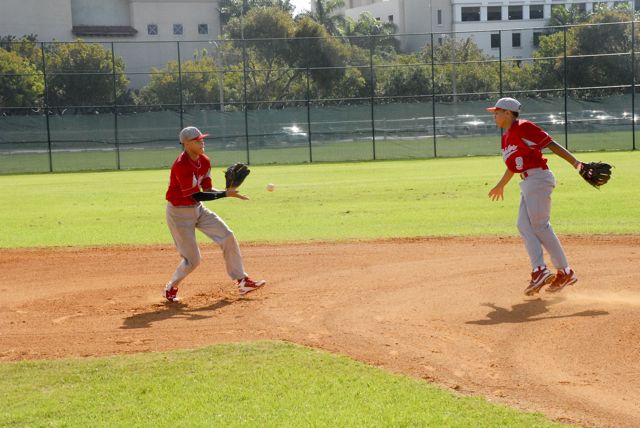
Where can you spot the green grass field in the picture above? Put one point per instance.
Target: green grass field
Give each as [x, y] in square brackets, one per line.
[366, 200]
[284, 384]
[263, 384]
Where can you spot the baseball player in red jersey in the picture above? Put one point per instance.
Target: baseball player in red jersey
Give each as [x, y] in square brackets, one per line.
[189, 184]
[522, 145]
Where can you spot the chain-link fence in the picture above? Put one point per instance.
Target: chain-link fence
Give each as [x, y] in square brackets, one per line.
[120, 105]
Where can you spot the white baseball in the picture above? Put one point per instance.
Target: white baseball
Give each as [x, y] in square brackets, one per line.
[270, 187]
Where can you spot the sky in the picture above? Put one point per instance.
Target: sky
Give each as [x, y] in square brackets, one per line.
[301, 5]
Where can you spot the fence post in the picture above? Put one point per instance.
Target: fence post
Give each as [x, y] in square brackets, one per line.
[309, 115]
[245, 104]
[566, 95]
[115, 106]
[500, 63]
[46, 105]
[373, 93]
[633, 85]
[180, 85]
[433, 98]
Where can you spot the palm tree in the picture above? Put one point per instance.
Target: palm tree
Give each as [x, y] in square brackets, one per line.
[325, 13]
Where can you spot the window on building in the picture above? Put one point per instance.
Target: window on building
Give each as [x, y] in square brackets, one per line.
[582, 7]
[515, 40]
[557, 7]
[515, 12]
[439, 17]
[536, 11]
[536, 39]
[177, 29]
[494, 13]
[471, 14]
[495, 41]
[203, 28]
[391, 19]
[440, 41]
[152, 29]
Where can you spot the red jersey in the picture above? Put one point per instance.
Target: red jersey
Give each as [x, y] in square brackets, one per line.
[188, 177]
[522, 146]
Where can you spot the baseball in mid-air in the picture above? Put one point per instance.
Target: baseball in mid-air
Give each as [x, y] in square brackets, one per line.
[270, 187]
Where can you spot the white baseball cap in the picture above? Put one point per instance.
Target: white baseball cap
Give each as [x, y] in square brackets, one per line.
[191, 133]
[506, 103]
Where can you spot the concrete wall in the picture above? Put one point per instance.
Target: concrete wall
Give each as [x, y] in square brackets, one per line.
[100, 12]
[50, 19]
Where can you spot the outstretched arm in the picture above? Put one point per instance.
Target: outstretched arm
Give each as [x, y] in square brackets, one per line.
[564, 154]
[498, 191]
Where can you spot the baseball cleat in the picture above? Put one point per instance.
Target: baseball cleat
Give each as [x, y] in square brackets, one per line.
[539, 279]
[562, 280]
[171, 294]
[246, 285]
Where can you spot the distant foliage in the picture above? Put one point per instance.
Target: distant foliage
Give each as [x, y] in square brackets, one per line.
[21, 83]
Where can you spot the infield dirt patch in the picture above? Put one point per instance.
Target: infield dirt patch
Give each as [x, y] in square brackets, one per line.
[448, 310]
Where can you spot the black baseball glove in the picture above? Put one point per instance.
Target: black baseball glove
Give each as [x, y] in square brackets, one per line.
[235, 174]
[596, 173]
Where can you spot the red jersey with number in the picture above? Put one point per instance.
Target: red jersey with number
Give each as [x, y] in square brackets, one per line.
[522, 146]
[188, 177]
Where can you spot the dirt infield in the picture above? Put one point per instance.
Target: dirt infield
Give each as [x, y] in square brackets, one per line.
[447, 310]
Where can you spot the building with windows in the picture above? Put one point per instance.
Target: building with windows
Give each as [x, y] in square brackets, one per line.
[506, 28]
[103, 21]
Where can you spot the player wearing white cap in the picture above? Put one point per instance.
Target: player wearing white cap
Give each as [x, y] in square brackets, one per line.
[190, 183]
[522, 144]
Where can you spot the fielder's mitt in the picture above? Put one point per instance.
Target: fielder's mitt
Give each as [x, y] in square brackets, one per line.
[596, 173]
[235, 174]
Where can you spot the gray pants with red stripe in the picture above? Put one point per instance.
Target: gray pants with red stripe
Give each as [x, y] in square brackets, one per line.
[534, 216]
[183, 222]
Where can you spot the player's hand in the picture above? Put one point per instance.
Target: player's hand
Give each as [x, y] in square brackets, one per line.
[496, 193]
[232, 192]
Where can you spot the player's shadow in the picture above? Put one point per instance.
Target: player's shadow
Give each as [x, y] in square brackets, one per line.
[172, 310]
[531, 310]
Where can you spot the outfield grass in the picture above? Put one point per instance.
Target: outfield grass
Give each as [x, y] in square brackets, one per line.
[256, 384]
[365, 200]
[283, 385]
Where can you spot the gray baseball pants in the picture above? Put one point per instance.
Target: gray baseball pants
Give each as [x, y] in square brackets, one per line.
[183, 222]
[533, 219]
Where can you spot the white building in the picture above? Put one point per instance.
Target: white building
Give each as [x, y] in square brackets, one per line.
[410, 16]
[510, 28]
[165, 21]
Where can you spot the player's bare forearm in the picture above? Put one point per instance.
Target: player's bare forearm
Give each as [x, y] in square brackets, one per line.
[498, 191]
[563, 153]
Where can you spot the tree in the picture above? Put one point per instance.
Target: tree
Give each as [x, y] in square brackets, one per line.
[21, 83]
[586, 66]
[82, 74]
[326, 14]
[462, 68]
[266, 47]
[199, 79]
[237, 8]
[324, 55]
[367, 30]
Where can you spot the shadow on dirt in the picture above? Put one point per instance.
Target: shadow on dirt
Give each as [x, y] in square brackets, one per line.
[530, 310]
[172, 310]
